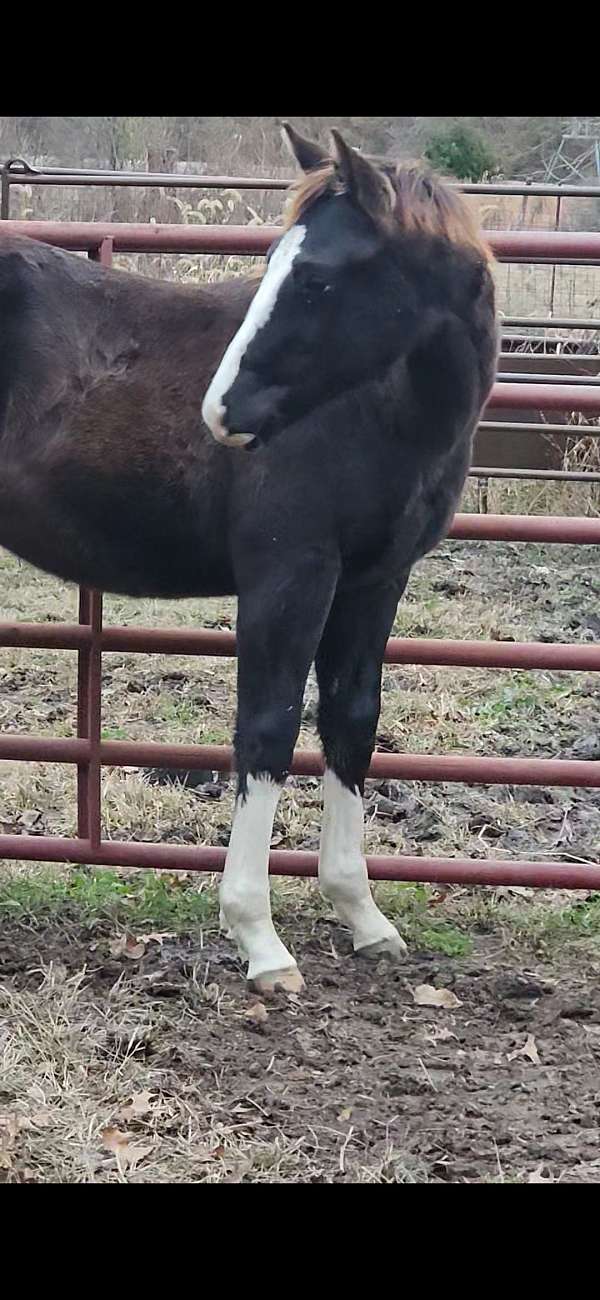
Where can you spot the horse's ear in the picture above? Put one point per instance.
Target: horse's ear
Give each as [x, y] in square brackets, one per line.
[307, 153]
[369, 186]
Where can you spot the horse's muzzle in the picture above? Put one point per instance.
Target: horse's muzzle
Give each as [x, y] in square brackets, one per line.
[250, 416]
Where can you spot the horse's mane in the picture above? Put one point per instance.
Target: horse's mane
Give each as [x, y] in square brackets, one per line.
[425, 204]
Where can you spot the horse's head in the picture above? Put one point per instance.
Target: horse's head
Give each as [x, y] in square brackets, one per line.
[347, 287]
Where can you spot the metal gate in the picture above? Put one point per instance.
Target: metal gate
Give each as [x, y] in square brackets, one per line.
[89, 638]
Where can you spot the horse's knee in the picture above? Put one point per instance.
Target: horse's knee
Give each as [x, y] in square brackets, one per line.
[362, 715]
[264, 742]
[347, 727]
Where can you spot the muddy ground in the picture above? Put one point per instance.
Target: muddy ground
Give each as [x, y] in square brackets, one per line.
[352, 1081]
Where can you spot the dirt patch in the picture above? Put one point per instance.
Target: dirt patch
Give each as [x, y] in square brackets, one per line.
[352, 1081]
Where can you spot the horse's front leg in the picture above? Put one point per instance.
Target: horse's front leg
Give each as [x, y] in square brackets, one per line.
[281, 614]
[348, 663]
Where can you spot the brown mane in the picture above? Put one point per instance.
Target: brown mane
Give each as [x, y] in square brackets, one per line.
[424, 203]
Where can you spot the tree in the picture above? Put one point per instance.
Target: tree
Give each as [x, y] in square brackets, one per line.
[460, 151]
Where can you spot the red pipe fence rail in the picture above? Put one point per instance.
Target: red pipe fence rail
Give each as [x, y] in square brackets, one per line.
[90, 639]
[131, 237]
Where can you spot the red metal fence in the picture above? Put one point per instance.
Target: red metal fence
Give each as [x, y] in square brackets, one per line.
[89, 638]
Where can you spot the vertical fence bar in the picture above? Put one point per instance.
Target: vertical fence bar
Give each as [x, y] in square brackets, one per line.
[89, 682]
[553, 277]
[89, 717]
[4, 193]
[103, 253]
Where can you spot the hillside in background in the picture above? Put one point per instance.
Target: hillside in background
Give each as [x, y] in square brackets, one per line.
[516, 146]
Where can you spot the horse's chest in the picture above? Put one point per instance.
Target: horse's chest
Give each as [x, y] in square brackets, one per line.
[393, 526]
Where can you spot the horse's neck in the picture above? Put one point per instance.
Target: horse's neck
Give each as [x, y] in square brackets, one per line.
[232, 296]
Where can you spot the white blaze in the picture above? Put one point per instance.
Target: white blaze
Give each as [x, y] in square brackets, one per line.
[259, 312]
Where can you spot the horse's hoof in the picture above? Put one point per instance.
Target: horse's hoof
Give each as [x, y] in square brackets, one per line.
[393, 946]
[289, 980]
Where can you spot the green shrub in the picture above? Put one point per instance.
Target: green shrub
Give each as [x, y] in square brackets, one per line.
[459, 151]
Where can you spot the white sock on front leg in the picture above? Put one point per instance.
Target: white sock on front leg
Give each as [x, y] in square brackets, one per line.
[343, 874]
[245, 895]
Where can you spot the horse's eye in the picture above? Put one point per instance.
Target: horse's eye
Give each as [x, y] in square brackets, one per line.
[312, 284]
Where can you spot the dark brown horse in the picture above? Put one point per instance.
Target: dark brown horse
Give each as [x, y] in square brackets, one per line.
[356, 371]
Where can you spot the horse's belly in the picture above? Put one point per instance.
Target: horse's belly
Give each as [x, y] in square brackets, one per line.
[129, 554]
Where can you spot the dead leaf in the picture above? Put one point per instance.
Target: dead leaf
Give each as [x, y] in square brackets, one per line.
[113, 1139]
[11, 1124]
[126, 945]
[425, 995]
[528, 1049]
[218, 1153]
[127, 1153]
[30, 818]
[42, 1119]
[440, 896]
[439, 1034]
[157, 936]
[141, 1104]
[257, 1012]
[210, 992]
[566, 832]
[39, 1119]
[537, 1176]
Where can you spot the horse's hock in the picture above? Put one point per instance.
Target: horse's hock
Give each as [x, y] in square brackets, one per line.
[527, 389]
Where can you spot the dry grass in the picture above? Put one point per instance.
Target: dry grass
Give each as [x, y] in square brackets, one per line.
[80, 1075]
[88, 1106]
[162, 1068]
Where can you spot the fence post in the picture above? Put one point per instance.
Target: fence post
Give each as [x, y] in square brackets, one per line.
[89, 682]
[553, 277]
[4, 193]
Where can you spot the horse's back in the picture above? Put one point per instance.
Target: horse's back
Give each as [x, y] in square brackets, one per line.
[108, 476]
[64, 314]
